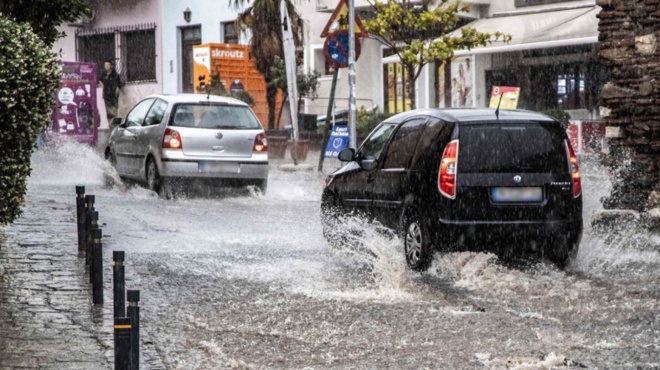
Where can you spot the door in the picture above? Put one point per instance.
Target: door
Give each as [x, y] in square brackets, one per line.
[390, 184]
[127, 144]
[355, 191]
[151, 133]
[190, 36]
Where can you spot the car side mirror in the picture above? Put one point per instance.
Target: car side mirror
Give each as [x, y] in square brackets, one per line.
[369, 164]
[347, 155]
[115, 121]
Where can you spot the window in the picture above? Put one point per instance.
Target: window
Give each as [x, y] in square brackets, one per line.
[132, 47]
[215, 116]
[403, 145]
[229, 34]
[512, 148]
[96, 48]
[139, 55]
[375, 143]
[136, 117]
[521, 3]
[156, 113]
[321, 65]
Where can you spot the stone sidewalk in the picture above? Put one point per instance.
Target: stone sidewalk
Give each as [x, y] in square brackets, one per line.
[47, 319]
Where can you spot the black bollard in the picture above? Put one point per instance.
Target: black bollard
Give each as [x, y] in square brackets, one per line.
[122, 343]
[133, 311]
[97, 268]
[118, 285]
[80, 212]
[89, 208]
[93, 224]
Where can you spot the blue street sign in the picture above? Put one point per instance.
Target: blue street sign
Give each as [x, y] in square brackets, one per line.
[336, 49]
[338, 141]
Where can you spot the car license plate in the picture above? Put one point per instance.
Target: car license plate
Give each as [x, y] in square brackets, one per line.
[219, 167]
[517, 195]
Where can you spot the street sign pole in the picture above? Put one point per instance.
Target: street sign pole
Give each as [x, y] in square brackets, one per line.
[351, 74]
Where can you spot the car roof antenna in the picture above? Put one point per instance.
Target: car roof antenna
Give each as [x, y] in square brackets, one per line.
[497, 111]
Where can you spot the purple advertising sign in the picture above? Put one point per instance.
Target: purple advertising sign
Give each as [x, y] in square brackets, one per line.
[75, 114]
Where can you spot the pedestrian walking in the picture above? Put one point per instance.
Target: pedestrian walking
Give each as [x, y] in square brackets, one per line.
[111, 85]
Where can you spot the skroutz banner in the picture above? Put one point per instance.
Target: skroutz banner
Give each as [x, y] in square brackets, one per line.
[237, 72]
[75, 114]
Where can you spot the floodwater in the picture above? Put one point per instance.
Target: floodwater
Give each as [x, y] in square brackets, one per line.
[249, 282]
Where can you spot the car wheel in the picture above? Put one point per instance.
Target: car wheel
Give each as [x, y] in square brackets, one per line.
[111, 158]
[417, 246]
[153, 177]
[263, 186]
[563, 253]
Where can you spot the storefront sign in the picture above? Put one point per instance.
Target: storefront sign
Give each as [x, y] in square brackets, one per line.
[338, 141]
[75, 113]
[509, 96]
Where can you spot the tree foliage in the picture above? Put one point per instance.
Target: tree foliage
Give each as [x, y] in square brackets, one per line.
[420, 33]
[216, 87]
[29, 75]
[45, 15]
[262, 20]
[307, 84]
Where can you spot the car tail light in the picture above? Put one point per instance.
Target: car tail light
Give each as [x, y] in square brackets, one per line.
[448, 167]
[261, 143]
[172, 140]
[575, 170]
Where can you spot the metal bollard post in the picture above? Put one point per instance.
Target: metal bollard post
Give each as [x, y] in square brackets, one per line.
[97, 268]
[122, 343]
[89, 207]
[80, 212]
[118, 284]
[133, 311]
[93, 225]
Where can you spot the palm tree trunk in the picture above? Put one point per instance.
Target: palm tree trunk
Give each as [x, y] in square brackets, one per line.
[271, 96]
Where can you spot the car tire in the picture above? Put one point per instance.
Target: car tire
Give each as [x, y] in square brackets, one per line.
[154, 181]
[564, 252]
[262, 185]
[417, 244]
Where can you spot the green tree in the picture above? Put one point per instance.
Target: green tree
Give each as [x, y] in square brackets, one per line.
[262, 19]
[45, 15]
[29, 75]
[420, 33]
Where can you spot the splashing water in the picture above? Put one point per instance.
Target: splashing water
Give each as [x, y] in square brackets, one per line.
[67, 162]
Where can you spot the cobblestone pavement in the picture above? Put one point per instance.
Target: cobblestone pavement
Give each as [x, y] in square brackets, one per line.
[47, 319]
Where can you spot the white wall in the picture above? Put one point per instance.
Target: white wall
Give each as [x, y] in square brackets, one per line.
[207, 13]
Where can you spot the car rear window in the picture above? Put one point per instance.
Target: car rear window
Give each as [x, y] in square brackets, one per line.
[512, 147]
[214, 116]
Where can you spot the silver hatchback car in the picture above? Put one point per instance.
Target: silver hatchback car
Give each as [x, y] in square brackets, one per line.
[166, 140]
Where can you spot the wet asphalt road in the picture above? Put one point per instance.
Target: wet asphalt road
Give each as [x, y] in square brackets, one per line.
[249, 282]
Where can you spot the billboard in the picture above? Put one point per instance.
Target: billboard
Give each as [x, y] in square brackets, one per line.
[237, 71]
[462, 82]
[75, 114]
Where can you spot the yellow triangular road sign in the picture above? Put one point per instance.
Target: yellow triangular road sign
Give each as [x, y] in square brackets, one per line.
[340, 20]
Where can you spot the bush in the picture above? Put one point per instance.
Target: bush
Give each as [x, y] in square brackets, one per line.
[367, 121]
[29, 76]
[560, 115]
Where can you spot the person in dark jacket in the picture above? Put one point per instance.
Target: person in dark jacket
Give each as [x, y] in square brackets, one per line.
[111, 84]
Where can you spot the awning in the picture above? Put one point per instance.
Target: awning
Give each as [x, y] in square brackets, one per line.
[539, 30]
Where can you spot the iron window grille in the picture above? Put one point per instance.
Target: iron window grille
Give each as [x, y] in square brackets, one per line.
[133, 48]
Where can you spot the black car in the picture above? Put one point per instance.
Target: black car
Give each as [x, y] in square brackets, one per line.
[464, 179]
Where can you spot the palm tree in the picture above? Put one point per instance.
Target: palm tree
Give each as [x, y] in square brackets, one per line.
[262, 18]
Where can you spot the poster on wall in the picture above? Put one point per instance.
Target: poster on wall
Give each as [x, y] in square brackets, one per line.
[462, 82]
[391, 86]
[75, 113]
[407, 102]
[508, 94]
[399, 88]
[441, 85]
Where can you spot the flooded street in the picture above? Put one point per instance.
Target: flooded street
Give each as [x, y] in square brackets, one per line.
[249, 282]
